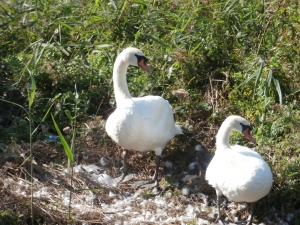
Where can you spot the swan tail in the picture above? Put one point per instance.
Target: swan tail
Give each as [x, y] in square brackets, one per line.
[178, 129]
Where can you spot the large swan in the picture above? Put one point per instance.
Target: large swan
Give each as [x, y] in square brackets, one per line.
[141, 124]
[238, 172]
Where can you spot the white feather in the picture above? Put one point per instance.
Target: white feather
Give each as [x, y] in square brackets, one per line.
[141, 124]
[238, 172]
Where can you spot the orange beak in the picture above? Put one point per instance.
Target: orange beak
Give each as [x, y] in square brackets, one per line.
[144, 66]
[249, 136]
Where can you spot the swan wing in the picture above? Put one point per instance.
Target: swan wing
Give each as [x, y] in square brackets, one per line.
[240, 173]
[142, 124]
[246, 151]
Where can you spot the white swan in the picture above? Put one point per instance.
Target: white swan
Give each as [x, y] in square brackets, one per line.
[238, 172]
[141, 124]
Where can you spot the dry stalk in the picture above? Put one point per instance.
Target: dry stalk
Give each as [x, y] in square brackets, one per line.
[214, 93]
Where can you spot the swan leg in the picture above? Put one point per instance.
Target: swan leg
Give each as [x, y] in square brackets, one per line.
[154, 181]
[157, 163]
[218, 206]
[124, 169]
[219, 195]
[251, 213]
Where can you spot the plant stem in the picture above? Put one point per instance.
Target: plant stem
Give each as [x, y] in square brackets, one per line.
[70, 164]
[263, 35]
[31, 165]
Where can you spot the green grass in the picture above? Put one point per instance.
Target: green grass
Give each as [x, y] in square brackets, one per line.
[9, 217]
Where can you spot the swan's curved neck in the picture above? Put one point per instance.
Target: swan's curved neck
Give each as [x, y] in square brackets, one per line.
[120, 83]
[222, 141]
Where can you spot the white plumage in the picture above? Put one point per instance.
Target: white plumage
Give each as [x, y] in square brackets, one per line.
[238, 172]
[141, 124]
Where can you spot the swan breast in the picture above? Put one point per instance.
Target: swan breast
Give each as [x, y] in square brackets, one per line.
[142, 124]
[240, 173]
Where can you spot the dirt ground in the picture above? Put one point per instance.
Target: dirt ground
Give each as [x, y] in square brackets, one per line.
[183, 196]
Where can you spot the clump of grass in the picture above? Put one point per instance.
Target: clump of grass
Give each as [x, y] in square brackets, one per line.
[9, 217]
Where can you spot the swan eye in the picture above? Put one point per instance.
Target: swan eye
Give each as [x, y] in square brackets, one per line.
[142, 62]
[145, 60]
[246, 130]
[250, 132]
[140, 58]
[246, 127]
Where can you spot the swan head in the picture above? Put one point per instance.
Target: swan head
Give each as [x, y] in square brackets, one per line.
[135, 57]
[241, 125]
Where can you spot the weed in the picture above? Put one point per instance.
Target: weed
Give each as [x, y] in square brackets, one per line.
[9, 217]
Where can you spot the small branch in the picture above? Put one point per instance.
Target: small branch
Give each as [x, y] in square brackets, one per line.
[263, 35]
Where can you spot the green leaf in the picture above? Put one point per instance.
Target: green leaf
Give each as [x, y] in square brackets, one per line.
[230, 6]
[67, 26]
[67, 112]
[255, 62]
[249, 79]
[63, 141]
[47, 112]
[186, 24]
[78, 44]
[31, 90]
[156, 40]
[259, 72]
[267, 86]
[164, 25]
[39, 54]
[278, 89]
[259, 131]
[196, 48]
[64, 51]
[141, 2]
[6, 9]
[204, 19]
[103, 46]
[114, 4]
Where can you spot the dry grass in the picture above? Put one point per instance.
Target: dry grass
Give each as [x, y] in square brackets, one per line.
[100, 205]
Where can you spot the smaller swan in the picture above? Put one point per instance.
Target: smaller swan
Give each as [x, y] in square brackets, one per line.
[141, 124]
[238, 172]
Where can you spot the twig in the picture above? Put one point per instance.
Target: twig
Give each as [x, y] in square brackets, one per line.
[14, 202]
[211, 79]
[99, 106]
[265, 31]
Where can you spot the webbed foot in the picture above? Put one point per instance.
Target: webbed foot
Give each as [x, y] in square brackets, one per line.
[147, 183]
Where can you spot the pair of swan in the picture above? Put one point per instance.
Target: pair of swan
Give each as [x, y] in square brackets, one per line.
[238, 172]
[147, 123]
[141, 124]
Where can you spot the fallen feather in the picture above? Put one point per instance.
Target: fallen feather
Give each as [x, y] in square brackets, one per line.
[198, 147]
[103, 161]
[107, 180]
[189, 178]
[92, 168]
[168, 164]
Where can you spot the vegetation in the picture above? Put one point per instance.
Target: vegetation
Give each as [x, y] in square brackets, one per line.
[9, 217]
[231, 57]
